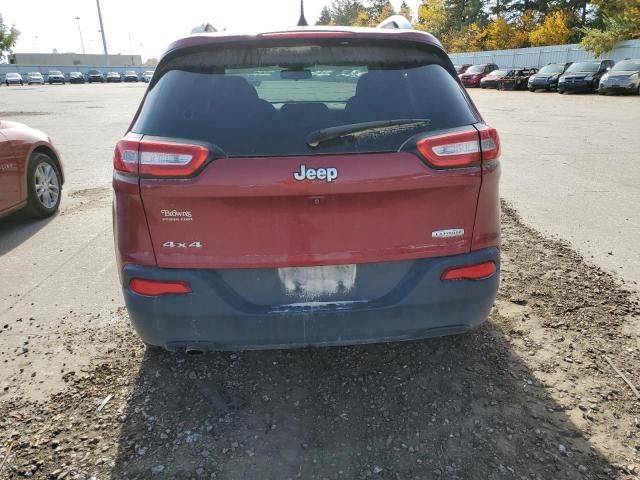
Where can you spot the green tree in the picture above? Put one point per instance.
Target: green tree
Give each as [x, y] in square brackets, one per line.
[620, 21]
[345, 12]
[8, 37]
[325, 16]
[463, 13]
[405, 11]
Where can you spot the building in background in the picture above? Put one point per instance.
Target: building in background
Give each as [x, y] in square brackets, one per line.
[71, 59]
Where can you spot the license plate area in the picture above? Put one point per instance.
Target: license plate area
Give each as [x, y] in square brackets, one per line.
[309, 283]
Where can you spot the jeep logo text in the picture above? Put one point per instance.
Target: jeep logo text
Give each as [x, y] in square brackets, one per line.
[326, 174]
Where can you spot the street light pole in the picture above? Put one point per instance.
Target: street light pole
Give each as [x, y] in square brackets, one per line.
[80, 30]
[104, 39]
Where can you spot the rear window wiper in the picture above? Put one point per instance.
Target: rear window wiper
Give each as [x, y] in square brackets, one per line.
[324, 135]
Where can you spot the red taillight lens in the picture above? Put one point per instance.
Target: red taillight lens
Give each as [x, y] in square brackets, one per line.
[125, 156]
[158, 159]
[460, 149]
[155, 288]
[489, 143]
[478, 271]
[452, 150]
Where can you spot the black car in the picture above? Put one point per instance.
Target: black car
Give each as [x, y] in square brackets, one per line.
[624, 77]
[95, 76]
[584, 76]
[130, 76]
[547, 77]
[76, 77]
[55, 76]
[516, 79]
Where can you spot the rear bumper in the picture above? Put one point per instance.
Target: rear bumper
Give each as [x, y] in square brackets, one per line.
[216, 317]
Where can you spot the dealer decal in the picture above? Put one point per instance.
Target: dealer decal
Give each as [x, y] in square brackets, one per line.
[448, 233]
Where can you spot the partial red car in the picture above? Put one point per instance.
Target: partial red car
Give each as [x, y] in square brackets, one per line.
[263, 200]
[31, 175]
[475, 73]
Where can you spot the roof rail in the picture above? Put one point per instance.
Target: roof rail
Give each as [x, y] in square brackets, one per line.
[396, 21]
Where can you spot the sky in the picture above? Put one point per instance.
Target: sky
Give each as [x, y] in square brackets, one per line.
[144, 27]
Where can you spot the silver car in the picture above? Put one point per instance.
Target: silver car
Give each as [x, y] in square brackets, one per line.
[624, 77]
[35, 77]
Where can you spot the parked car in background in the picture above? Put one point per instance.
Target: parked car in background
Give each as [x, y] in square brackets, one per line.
[55, 76]
[462, 68]
[472, 76]
[31, 175]
[76, 77]
[146, 76]
[517, 79]
[255, 228]
[113, 77]
[130, 76]
[35, 78]
[491, 80]
[95, 76]
[13, 78]
[547, 77]
[624, 77]
[583, 76]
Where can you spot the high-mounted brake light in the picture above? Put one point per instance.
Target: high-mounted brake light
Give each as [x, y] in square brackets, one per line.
[158, 159]
[156, 288]
[479, 271]
[452, 150]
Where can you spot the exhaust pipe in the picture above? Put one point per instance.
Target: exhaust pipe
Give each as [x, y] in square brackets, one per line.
[193, 351]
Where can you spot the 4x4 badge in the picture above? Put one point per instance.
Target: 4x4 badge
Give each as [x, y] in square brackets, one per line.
[328, 174]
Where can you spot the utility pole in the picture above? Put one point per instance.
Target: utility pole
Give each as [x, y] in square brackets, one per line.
[104, 39]
[80, 30]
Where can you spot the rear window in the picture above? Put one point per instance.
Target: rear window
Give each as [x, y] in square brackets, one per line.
[250, 101]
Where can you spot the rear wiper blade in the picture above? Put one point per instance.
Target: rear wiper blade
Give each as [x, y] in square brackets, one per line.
[319, 136]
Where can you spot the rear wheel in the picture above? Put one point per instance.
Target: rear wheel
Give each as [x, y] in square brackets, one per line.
[532, 89]
[44, 185]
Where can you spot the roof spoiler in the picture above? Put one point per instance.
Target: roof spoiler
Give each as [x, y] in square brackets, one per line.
[396, 21]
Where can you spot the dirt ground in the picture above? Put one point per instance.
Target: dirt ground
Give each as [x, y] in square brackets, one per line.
[532, 394]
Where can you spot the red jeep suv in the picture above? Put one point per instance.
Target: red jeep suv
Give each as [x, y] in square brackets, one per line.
[318, 186]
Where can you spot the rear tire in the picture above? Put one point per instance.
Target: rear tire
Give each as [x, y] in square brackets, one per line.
[532, 90]
[44, 186]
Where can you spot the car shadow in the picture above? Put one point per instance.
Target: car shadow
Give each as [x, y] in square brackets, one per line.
[17, 228]
[463, 407]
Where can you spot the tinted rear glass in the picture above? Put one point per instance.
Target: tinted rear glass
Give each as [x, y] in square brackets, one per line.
[266, 101]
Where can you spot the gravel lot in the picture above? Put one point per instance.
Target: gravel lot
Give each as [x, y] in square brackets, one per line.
[535, 393]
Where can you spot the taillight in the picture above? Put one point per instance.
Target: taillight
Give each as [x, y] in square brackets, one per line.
[479, 271]
[452, 150]
[155, 288]
[125, 156]
[161, 159]
[158, 159]
[460, 149]
[489, 143]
